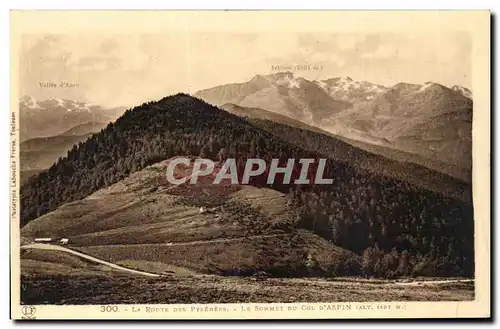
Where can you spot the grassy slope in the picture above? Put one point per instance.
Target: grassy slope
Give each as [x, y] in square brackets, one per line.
[142, 218]
[276, 254]
[51, 262]
[212, 289]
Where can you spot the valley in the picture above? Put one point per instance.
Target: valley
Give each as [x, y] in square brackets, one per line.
[109, 197]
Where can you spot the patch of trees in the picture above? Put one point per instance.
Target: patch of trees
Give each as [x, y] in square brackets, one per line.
[319, 141]
[381, 218]
[375, 262]
[358, 211]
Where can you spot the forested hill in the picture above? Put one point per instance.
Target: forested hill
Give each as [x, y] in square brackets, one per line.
[153, 131]
[359, 211]
[330, 146]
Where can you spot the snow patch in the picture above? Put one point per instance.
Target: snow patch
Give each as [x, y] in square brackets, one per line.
[322, 85]
[425, 87]
[288, 81]
[463, 91]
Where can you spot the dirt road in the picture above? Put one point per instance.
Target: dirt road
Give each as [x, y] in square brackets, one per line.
[85, 256]
[121, 268]
[197, 242]
[427, 282]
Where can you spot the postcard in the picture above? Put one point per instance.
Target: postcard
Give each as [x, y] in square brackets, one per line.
[250, 164]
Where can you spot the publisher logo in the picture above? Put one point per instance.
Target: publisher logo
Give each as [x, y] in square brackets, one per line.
[28, 312]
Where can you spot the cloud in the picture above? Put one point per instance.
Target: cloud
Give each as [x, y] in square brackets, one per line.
[382, 52]
[128, 69]
[328, 58]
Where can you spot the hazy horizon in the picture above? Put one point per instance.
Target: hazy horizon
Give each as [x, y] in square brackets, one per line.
[124, 70]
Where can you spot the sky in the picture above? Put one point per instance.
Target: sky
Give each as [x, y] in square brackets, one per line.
[111, 69]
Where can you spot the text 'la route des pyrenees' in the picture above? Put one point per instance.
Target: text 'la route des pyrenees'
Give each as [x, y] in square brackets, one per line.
[259, 308]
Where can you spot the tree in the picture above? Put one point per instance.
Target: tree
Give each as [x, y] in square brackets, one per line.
[222, 155]
[205, 152]
[335, 229]
[369, 261]
[404, 264]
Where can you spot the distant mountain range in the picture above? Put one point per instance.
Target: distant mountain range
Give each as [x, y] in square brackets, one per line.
[38, 154]
[51, 117]
[428, 124]
[429, 120]
[282, 93]
[392, 163]
[49, 128]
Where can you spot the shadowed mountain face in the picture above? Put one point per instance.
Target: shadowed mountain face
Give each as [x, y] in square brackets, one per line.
[38, 154]
[430, 121]
[391, 163]
[387, 215]
[53, 117]
[50, 128]
[281, 93]
[84, 129]
[41, 153]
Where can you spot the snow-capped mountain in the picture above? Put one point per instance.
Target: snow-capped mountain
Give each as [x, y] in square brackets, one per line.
[44, 118]
[346, 89]
[427, 119]
[430, 120]
[282, 93]
[463, 91]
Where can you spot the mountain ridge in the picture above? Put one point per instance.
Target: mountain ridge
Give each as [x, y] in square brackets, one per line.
[384, 214]
[394, 117]
[51, 117]
[398, 166]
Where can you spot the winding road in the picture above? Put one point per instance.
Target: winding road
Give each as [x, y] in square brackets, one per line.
[42, 246]
[85, 256]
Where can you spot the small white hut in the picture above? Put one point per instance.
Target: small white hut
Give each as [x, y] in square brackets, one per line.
[43, 240]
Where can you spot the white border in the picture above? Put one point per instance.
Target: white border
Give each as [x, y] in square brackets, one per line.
[217, 4]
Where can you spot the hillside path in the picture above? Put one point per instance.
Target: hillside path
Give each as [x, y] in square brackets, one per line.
[196, 242]
[124, 269]
[85, 256]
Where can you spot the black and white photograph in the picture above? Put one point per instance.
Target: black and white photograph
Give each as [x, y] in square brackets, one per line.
[204, 169]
